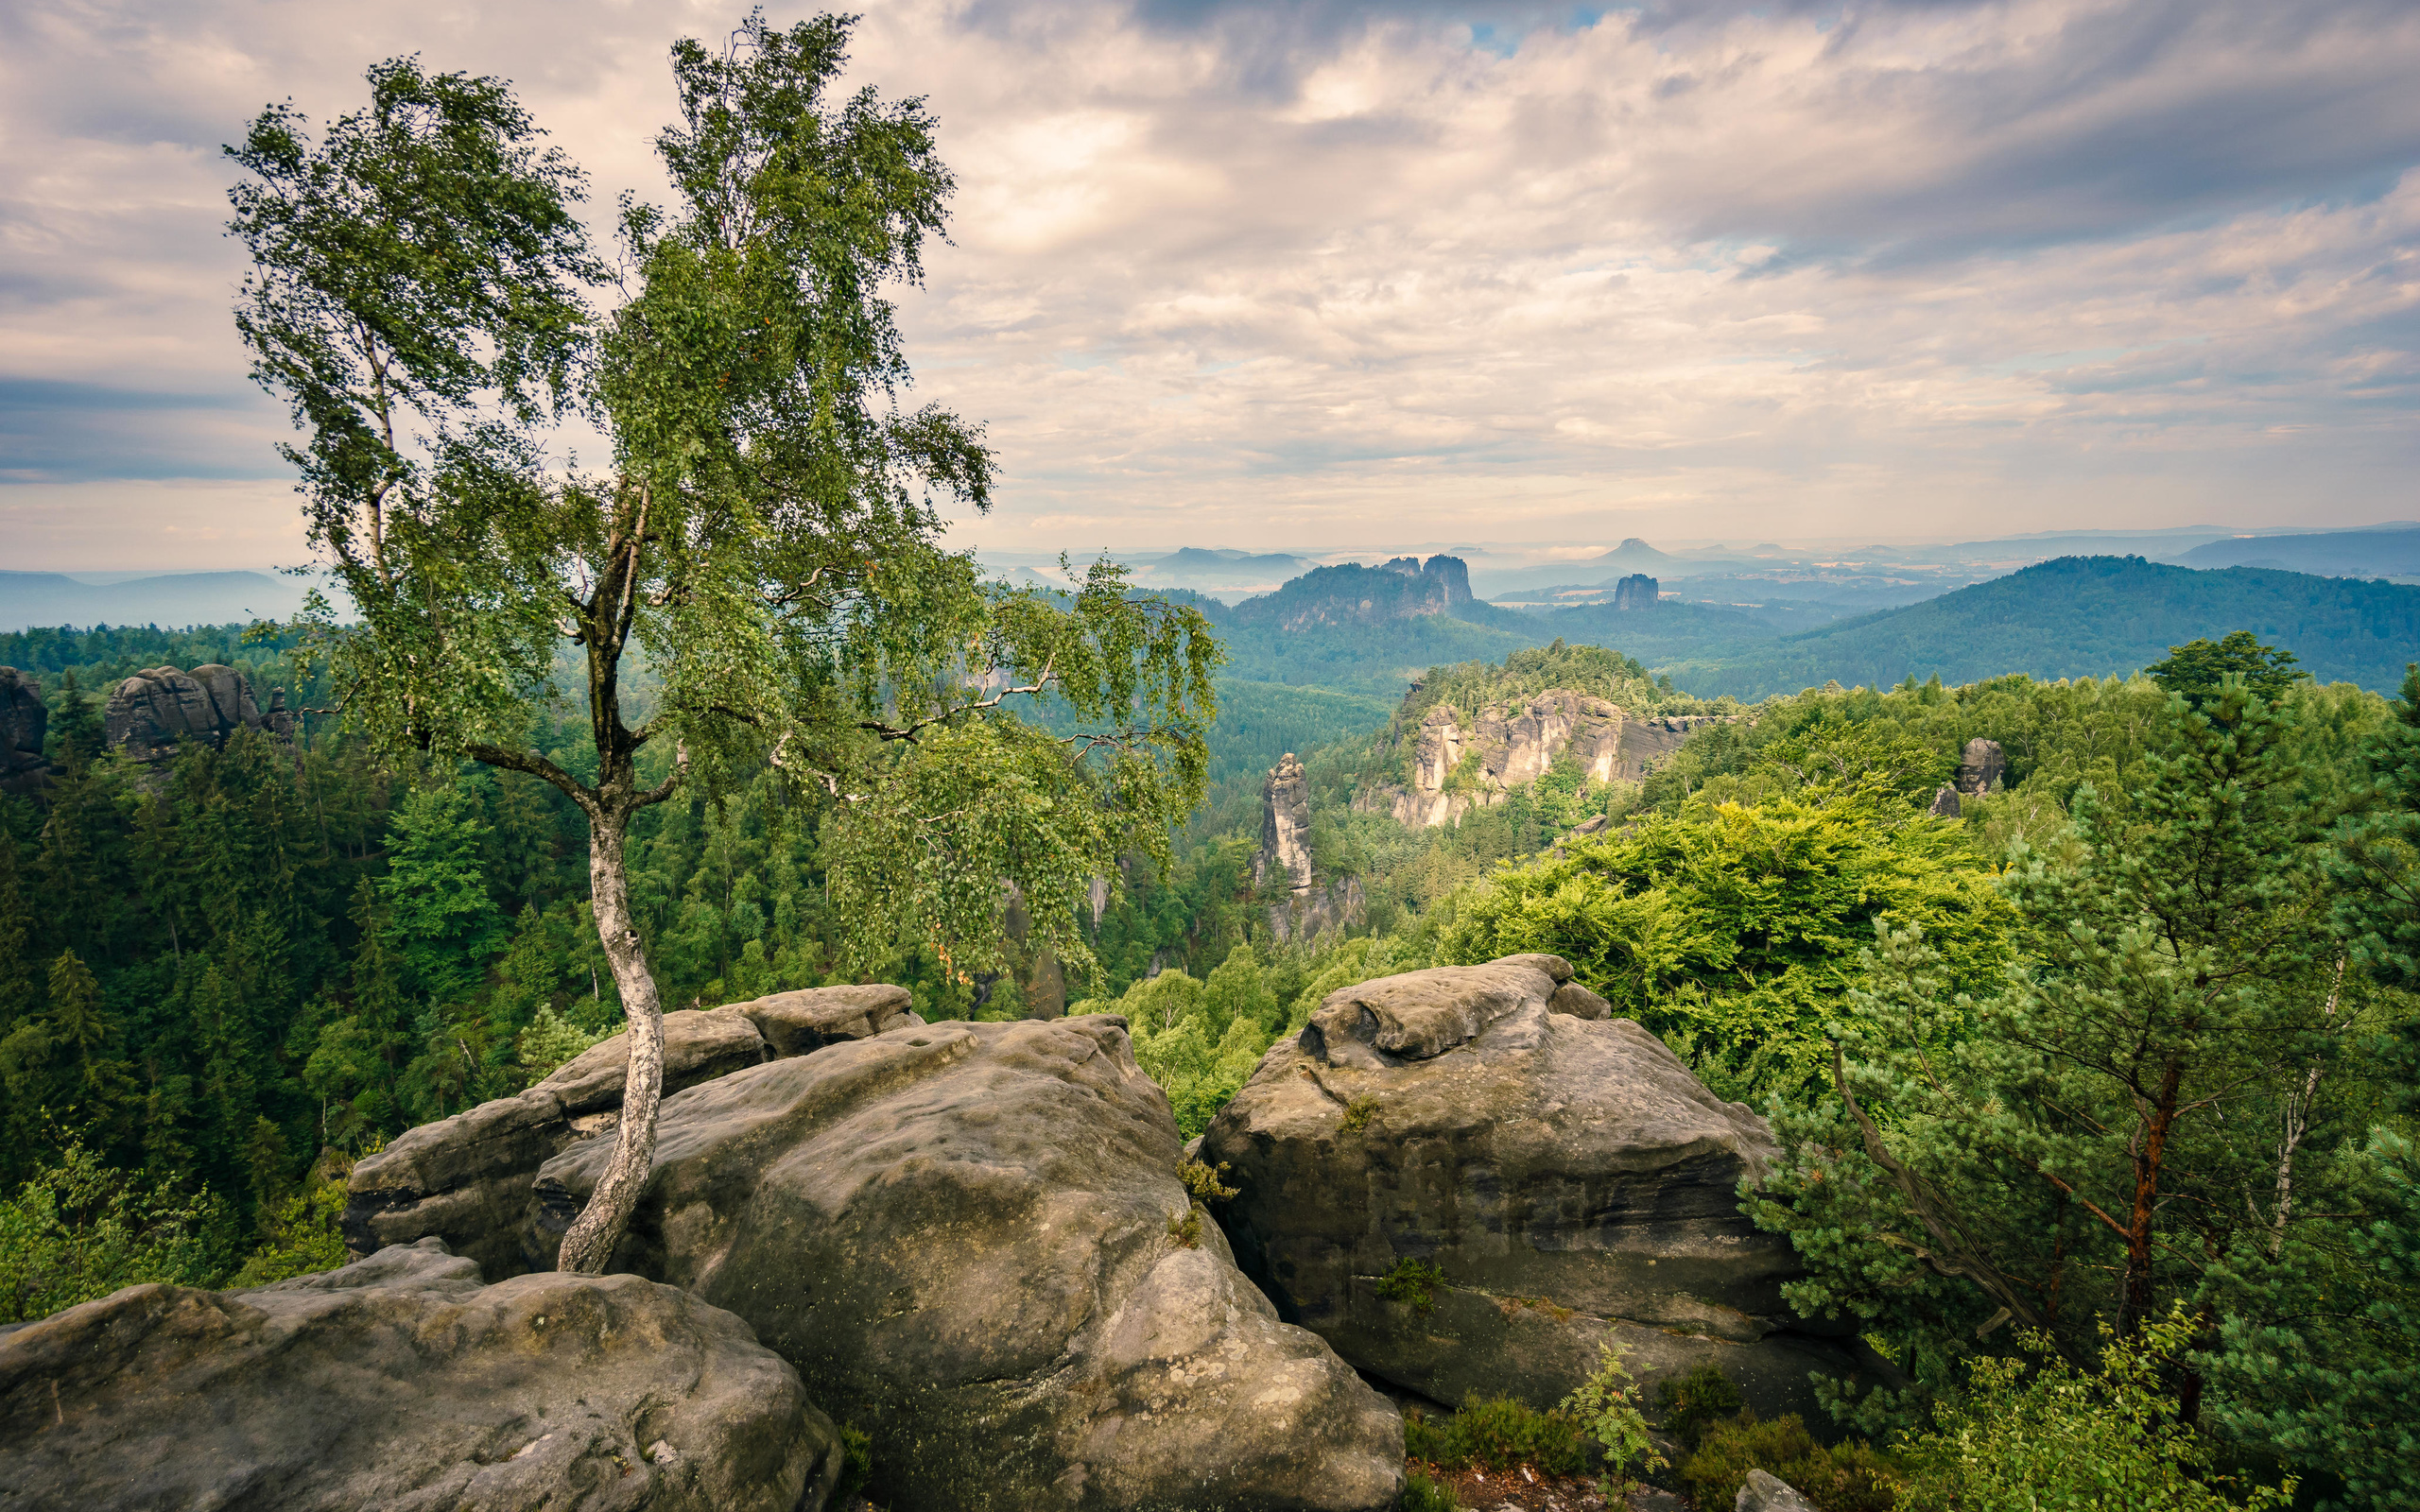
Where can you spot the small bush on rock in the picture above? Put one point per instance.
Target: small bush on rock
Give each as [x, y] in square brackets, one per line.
[1836, 1478]
[1692, 1403]
[1499, 1434]
[1412, 1283]
[1606, 1406]
[1202, 1180]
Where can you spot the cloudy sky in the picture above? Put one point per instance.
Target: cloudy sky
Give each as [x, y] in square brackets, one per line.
[1321, 277]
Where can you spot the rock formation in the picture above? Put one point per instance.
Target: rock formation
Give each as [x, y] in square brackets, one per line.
[402, 1382]
[1766, 1492]
[1355, 595]
[25, 719]
[150, 711]
[1284, 860]
[971, 1241]
[1981, 767]
[1638, 591]
[1565, 1174]
[466, 1179]
[1513, 744]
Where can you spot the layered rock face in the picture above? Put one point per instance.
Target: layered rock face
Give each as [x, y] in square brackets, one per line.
[466, 1179]
[150, 711]
[1982, 767]
[1638, 591]
[1282, 870]
[971, 1241]
[402, 1382]
[1355, 595]
[1566, 1173]
[1284, 860]
[1514, 744]
[25, 719]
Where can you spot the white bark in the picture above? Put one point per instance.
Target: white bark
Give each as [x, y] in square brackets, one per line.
[589, 1244]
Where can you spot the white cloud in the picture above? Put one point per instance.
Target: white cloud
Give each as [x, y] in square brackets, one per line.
[1270, 279]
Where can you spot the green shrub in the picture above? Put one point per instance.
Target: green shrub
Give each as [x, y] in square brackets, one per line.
[1202, 1181]
[1422, 1494]
[1691, 1403]
[1606, 1408]
[305, 1237]
[1836, 1478]
[1413, 1282]
[79, 1230]
[1499, 1434]
[856, 1466]
[1358, 1113]
[2049, 1437]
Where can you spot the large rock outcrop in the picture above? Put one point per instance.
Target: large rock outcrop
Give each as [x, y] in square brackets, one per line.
[466, 1179]
[151, 712]
[1638, 591]
[1512, 743]
[970, 1240]
[1354, 594]
[25, 719]
[1566, 1175]
[1295, 905]
[401, 1381]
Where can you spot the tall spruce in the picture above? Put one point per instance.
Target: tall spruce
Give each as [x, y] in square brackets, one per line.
[763, 529]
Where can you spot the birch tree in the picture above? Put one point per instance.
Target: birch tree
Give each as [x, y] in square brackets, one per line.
[763, 525]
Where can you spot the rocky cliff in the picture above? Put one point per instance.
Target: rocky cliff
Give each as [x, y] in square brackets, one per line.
[24, 720]
[1297, 905]
[1459, 761]
[152, 711]
[1354, 594]
[1638, 591]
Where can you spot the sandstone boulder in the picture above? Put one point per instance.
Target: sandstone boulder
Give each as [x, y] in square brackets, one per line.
[1767, 1492]
[466, 1179]
[1982, 767]
[1567, 1175]
[970, 1240]
[401, 1381]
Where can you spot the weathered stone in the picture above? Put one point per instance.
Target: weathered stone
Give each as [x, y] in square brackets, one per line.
[1646, 742]
[1944, 804]
[25, 719]
[1765, 1492]
[1579, 1002]
[1982, 767]
[1284, 860]
[1638, 591]
[796, 1022]
[401, 1381]
[151, 712]
[1568, 1176]
[698, 1045]
[971, 1241]
[466, 1179]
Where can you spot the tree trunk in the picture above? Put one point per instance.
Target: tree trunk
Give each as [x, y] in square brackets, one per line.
[2148, 1164]
[590, 1242]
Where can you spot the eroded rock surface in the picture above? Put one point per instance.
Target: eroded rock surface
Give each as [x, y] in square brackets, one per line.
[401, 1381]
[971, 1241]
[1566, 1173]
[1462, 760]
[151, 712]
[466, 1179]
[25, 719]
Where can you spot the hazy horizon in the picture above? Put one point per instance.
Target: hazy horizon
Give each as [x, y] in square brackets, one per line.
[1323, 279]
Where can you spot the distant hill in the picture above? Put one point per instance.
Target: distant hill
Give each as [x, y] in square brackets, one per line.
[2077, 616]
[2335, 554]
[30, 599]
[1355, 595]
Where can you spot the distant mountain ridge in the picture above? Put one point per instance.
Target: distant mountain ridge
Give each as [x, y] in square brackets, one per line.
[170, 599]
[2334, 554]
[2079, 616]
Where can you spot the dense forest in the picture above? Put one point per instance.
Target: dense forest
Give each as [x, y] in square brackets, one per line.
[2188, 911]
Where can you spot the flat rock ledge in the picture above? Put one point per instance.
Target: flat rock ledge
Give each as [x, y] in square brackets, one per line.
[466, 1179]
[402, 1383]
[1525, 1177]
[970, 1240]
